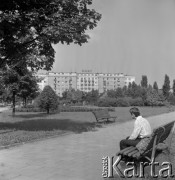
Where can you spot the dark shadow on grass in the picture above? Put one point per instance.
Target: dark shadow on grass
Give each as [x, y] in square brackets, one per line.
[50, 125]
[28, 115]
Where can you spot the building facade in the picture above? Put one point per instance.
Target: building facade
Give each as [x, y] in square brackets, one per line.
[85, 81]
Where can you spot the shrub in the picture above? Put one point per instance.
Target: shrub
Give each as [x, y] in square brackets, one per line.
[122, 102]
[65, 109]
[107, 102]
[171, 99]
[136, 101]
[82, 109]
[29, 106]
[28, 110]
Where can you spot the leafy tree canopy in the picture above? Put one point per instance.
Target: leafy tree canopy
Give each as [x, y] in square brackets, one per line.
[28, 28]
[72, 95]
[166, 86]
[155, 86]
[174, 87]
[28, 86]
[48, 100]
[144, 81]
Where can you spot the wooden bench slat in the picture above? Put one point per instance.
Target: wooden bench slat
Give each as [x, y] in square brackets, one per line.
[121, 152]
[126, 154]
[133, 152]
[128, 151]
[136, 155]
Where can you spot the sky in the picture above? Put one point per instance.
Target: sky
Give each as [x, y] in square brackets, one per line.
[134, 37]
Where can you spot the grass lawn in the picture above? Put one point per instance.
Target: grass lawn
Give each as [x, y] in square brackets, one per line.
[27, 126]
[124, 115]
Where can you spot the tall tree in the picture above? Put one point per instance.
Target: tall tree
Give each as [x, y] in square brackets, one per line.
[135, 90]
[144, 81]
[166, 86]
[28, 29]
[124, 89]
[1, 87]
[119, 92]
[28, 87]
[143, 94]
[129, 90]
[150, 87]
[111, 93]
[11, 79]
[174, 87]
[19, 82]
[155, 86]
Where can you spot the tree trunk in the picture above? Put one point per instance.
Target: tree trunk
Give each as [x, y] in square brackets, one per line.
[48, 111]
[13, 111]
[25, 102]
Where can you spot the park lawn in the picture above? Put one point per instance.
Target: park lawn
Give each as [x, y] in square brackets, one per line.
[27, 126]
[124, 115]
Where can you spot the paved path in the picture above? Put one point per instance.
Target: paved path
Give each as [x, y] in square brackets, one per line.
[72, 157]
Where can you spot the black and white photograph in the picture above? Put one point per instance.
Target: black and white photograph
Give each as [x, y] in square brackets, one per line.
[87, 89]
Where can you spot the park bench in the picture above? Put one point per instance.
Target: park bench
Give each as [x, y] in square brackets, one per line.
[103, 115]
[159, 140]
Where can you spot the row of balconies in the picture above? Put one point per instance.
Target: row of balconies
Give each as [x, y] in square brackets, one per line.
[94, 79]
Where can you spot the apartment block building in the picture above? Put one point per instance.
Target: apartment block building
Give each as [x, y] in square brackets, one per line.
[85, 81]
[43, 80]
[108, 81]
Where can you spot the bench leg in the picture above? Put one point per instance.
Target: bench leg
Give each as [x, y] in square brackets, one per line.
[171, 137]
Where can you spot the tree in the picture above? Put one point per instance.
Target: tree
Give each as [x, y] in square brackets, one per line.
[149, 87]
[28, 87]
[144, 81]
[174, 87]
[134, 90]
[1, 87]
[152, 97]
[124, 89]
[92, 97]
[118, 92]
[48, 100]
[111, 93]
[155, 86]
[143, 94]
[11, 79]
[166, 86]
[18, 82]
[171, 99]
[28, 29]
[129, 90]
[72, 95]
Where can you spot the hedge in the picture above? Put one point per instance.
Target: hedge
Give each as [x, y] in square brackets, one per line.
[65, 109]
